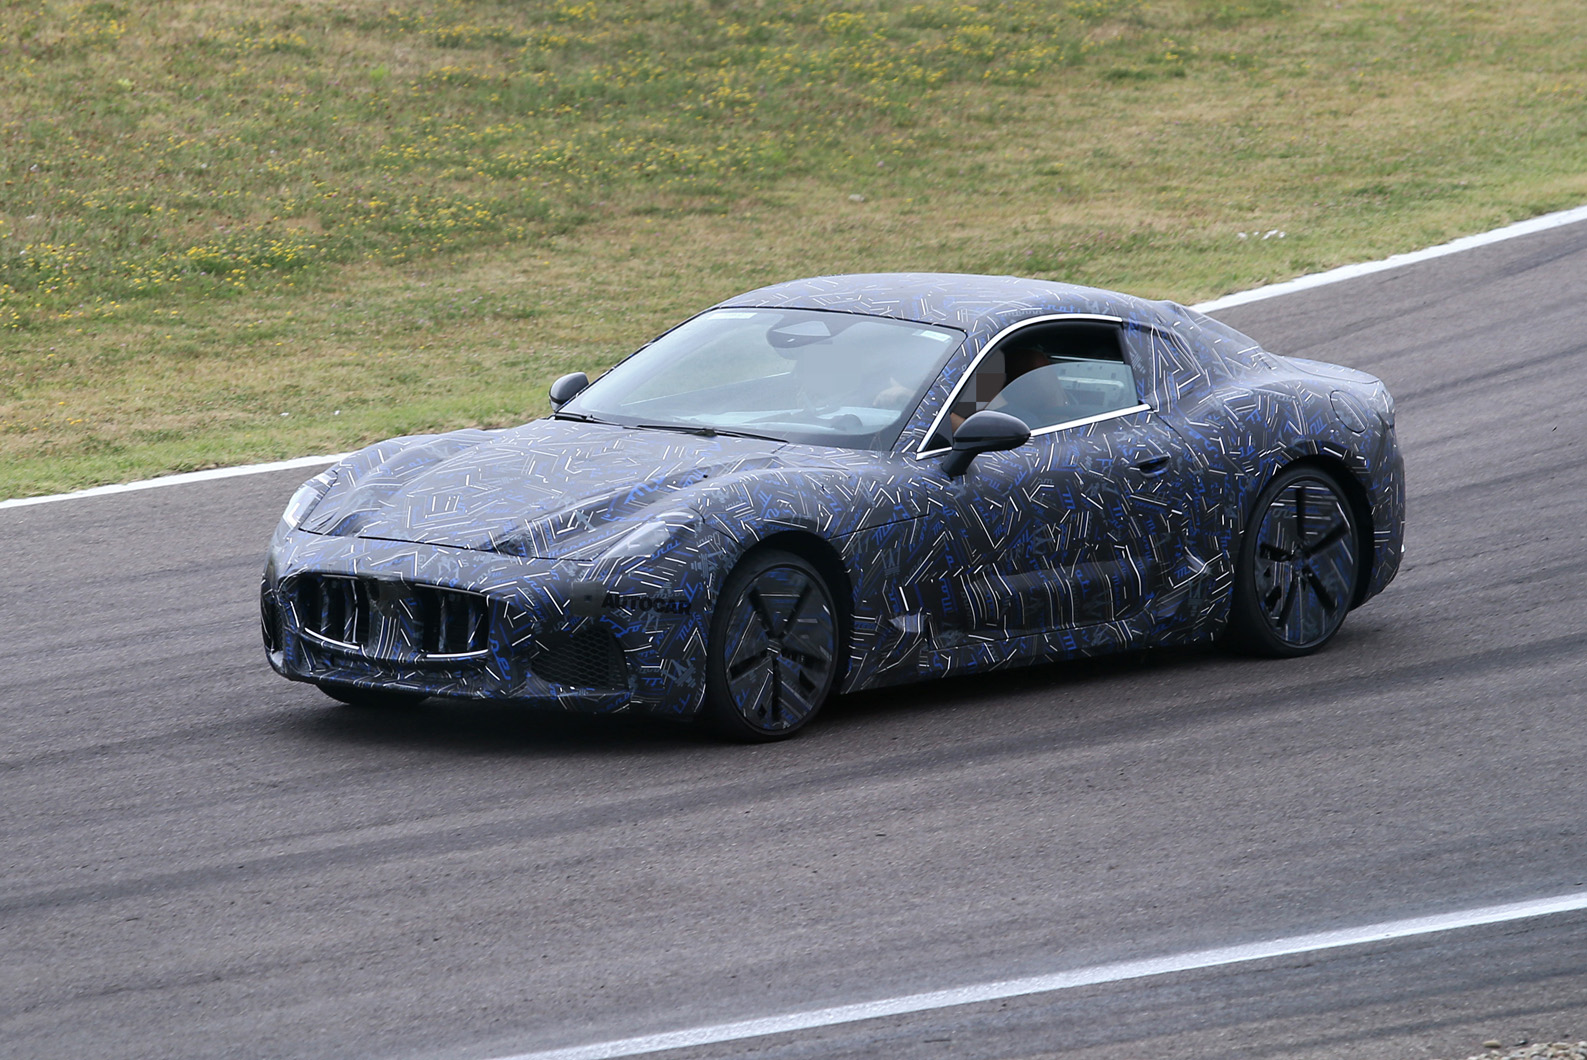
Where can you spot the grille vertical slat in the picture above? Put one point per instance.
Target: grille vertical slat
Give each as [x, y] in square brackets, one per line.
[350, 609]
[365, 606]
[391, 617]
[324, 599]
[428, 607]
[463, 626]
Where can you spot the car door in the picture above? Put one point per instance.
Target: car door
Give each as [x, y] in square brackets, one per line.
[1085, 523]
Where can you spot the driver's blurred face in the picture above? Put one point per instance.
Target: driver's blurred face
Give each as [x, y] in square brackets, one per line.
[1017, 362]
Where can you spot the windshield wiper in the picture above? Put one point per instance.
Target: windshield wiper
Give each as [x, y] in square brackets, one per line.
[579, 417]
[706, 432]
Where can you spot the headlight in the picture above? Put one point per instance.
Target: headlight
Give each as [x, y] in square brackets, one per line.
[307, 496]
[654, 535]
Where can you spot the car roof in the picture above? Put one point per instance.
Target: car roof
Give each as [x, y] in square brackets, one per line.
[969, 302]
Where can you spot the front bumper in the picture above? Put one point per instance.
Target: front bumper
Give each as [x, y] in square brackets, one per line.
[439, 621]
[1386, 495]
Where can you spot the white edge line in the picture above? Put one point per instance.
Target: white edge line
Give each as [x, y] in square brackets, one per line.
[178, 480]
[1256, 294]
[1351, 272]
[1042, 984]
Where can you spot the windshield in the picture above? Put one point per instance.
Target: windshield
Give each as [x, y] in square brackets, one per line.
[796, 375]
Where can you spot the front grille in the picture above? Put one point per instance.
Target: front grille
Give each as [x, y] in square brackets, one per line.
[588, 657]
[391, 619]
[334, 609]
[454, 623]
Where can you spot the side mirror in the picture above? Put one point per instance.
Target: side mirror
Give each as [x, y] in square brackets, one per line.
[567, 388]
[984, 432]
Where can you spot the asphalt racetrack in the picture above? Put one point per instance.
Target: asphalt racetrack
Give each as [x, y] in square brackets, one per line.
[203, 860]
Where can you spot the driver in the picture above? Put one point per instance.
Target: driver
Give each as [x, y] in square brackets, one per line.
[1028, 393]
[1031, 393]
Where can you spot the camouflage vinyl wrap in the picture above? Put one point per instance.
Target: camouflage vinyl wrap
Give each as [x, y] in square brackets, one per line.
[571, 565]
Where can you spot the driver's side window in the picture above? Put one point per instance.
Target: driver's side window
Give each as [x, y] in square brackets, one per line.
[1049, 374]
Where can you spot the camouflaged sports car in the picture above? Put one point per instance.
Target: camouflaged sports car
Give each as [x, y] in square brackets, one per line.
[843, 483]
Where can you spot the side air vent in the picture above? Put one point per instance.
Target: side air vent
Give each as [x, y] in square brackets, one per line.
[269, 621]
[589, 657]
[391, 619]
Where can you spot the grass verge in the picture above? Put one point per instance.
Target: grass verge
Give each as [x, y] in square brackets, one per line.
[227, 237]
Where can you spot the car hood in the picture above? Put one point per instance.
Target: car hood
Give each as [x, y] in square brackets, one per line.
[548, 489]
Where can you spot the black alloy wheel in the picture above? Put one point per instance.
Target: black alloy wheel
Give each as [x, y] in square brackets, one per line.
[773, 650]
[1299, 561]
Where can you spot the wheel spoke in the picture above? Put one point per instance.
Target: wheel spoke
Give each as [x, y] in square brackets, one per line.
[1300, 514]
[762, 612]
[745, 642]
[745, 665]
[750, 690]
[1292, 584]
[1325, 595]
[1271, 600]
[1333, 536]
[811, 618]
[797, 642]
[774, 708]
[798, 689]
[804, 657]
[798, 604]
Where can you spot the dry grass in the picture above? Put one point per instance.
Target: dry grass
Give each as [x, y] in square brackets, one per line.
[1118, 143]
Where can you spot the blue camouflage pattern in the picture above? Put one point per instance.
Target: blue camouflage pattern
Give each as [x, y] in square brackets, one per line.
[559, 541]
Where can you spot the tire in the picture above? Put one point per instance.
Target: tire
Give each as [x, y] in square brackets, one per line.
[773, 648]
[1298, 566]
[372, 698]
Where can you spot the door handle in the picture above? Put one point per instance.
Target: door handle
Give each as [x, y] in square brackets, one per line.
[1155, 465]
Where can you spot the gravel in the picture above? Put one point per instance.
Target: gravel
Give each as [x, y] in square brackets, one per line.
[1540, 1051]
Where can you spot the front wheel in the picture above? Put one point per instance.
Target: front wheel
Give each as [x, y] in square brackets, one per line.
[1299, 560]
[773, 648]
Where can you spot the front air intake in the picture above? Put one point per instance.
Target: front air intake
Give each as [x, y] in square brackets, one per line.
[588, 657]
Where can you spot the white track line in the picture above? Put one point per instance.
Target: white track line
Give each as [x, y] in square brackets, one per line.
[178, 480]
[1257, 294]
[1043, 984]
[1397, 261]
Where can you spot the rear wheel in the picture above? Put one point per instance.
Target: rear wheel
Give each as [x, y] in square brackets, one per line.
[1299, 559]
[773, 648]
